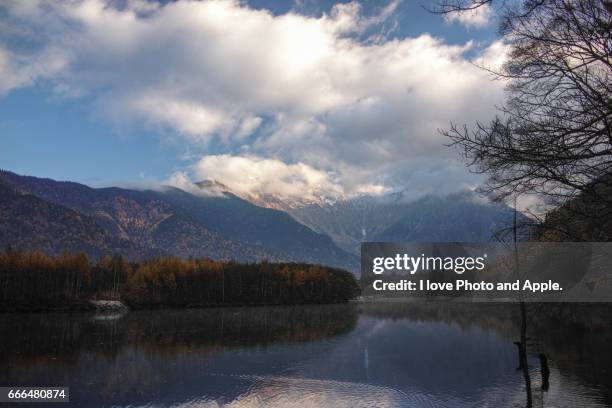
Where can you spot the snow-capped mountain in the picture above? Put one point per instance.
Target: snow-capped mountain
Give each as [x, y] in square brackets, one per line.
[396, 216]
[276, 202]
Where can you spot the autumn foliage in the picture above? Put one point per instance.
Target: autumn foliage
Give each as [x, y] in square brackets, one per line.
[33, 280]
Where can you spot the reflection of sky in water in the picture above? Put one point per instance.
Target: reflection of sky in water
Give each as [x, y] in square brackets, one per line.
[377, 363]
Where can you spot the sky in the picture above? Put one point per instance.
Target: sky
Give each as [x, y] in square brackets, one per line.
[297, 99]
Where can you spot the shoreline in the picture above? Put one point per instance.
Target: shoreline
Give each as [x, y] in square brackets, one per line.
[88, 307]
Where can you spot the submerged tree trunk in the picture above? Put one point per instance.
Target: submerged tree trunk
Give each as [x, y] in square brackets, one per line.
[523, 365]
[544, 370]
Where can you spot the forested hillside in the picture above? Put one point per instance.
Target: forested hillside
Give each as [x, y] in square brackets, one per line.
[31, 223]
[165, 221]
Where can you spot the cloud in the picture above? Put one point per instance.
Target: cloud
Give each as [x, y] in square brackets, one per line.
[261, 177]
[9, 76]
[302, 100]
[23, 70]
[478, 17]
[183, 181]
[494, 56]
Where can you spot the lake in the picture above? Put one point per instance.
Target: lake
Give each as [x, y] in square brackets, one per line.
[353, 355]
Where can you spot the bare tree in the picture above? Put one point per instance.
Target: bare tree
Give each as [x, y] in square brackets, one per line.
[552, 136]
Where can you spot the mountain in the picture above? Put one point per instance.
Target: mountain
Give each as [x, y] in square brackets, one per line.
[268, 200]
[395, 217]
[176, 222]
[587, 216]
[209, 221]
[30, 223]
[275, 231]
[461, 217]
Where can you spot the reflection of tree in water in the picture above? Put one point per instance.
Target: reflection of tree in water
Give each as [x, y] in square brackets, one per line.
[574, 337]
[137, 353]
[496, 317]
[228, 328]
[38, 337]
[136, 356]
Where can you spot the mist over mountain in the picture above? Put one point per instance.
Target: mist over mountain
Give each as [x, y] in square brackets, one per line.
[168, 220]
[268, 200]
[209, 220]
[396, 217]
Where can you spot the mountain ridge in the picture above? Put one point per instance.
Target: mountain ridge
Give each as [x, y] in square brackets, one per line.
[55, 229]
[183, 224]
[462, 216]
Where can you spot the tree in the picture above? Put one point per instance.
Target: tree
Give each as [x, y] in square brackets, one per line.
[552, 136]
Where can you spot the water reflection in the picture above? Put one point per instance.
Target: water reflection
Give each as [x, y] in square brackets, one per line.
[319, 356]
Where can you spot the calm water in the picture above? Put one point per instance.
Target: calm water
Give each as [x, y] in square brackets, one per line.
[322, 356]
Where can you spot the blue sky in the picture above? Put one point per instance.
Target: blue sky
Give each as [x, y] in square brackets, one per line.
[47, 136]
[73, 107]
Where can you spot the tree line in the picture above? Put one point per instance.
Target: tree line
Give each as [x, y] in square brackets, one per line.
[36, 281]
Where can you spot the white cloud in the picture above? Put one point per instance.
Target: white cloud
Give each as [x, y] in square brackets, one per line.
[248, 126]
[9, 77]
[303, 100]
[190, 118]
[477, 17]
[494, 56]
[23, 70]
[257, 176]
[182, 180]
